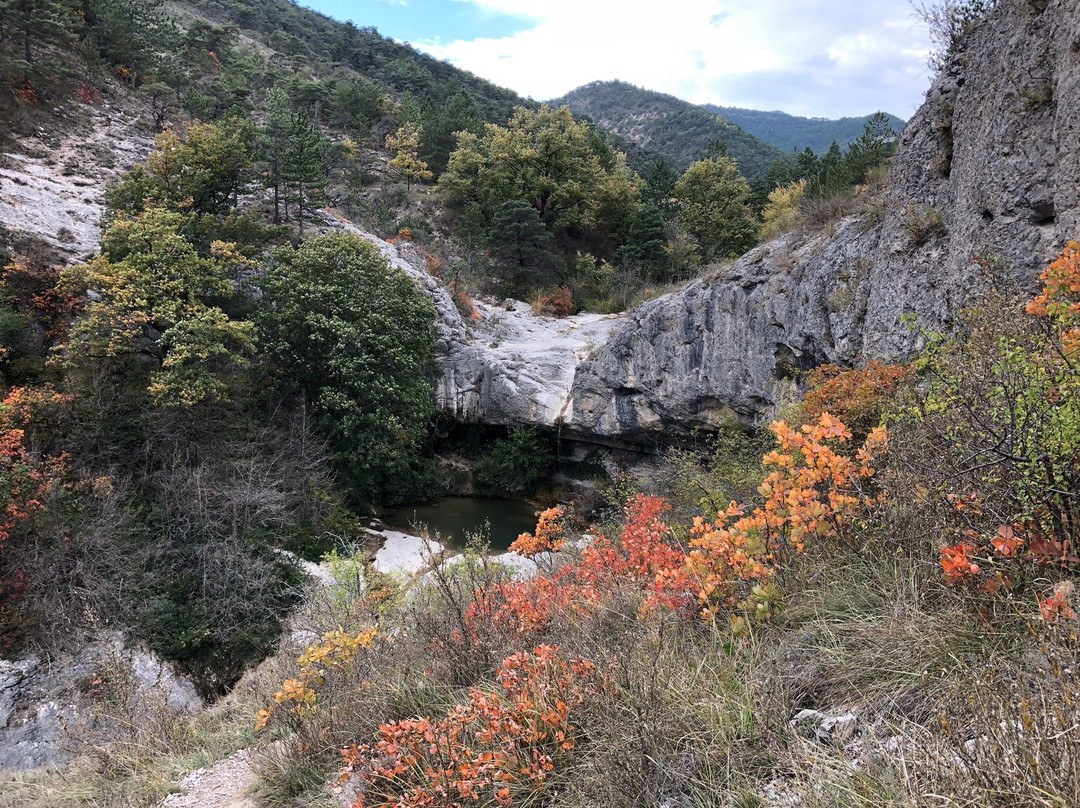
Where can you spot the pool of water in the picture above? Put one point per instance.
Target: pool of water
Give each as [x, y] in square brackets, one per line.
[457, 518]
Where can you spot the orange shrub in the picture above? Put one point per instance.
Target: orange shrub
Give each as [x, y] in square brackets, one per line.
[88, 95]
[547, 538]
[560, 303]
[815, 493]
[25, 478]
[856, 397]
[464, 303]
[1043, 461]
[34, 289]
[1060, 298]
[501, 746]
[646, 558]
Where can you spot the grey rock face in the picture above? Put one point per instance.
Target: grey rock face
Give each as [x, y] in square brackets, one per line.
[989, 169]
[46, 707]
[503, 364]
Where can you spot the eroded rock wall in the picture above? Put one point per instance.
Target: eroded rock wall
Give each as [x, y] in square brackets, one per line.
[988, 169]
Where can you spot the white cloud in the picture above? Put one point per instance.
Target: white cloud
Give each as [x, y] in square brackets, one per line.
[814, 57]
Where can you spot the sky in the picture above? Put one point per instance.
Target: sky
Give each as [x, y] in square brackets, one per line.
[818, 58]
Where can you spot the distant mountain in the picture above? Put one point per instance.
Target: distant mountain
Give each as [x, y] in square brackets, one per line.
[663, 123]
[789, 132]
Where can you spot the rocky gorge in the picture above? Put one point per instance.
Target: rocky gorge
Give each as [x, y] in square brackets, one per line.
[984, 190]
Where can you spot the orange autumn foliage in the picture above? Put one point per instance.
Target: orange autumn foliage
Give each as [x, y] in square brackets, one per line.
[502, 745]
[856, 397]
[25, 478]
[815, 493]
[645, 558]
[33, 289]
[547, 538]
[558, 303]
[1060, 298]
[1020, 552]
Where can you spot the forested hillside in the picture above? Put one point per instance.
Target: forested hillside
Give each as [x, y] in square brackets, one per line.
[671, 126]
[791, 132]
[308, 38]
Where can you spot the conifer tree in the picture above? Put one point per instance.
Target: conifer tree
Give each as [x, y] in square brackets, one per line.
[35, 22]
[872, 148]
[305, 165]
[273, 141]
[130, 33]
[661, 184]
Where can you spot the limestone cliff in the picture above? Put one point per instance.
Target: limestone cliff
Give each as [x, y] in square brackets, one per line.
[988, 169]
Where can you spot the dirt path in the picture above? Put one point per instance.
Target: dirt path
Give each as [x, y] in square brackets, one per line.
[226, 784]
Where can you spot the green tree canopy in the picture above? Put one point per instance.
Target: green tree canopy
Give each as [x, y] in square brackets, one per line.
[202, 170]
[130, 33]
[154, 305]
[541, 157]
[711, 205]
[354, 336]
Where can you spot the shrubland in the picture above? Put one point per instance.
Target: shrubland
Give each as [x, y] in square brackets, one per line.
[182, 407]
[211, 388]
[910, 577]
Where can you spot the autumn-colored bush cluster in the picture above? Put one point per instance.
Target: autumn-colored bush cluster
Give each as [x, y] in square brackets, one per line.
[498, 748]
[500, 745]
[1012, 499]
[465, 304]
[88, 94]
[856, 397]
[557, 303]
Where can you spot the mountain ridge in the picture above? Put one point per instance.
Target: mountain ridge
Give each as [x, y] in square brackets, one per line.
[670, 125]
[788, 132]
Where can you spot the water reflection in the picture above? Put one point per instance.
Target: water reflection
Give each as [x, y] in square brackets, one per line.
[455, 518]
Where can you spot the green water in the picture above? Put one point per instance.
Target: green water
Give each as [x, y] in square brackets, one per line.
[456, 518]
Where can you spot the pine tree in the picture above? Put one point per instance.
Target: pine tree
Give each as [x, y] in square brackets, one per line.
[305, 164]
[647, 241]
[834, 177]
[36, 22]
[661, 184]
[273, 141]
[872, 148]
[130, 33]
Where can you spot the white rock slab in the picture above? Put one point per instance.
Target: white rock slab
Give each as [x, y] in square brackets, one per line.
[402, 553]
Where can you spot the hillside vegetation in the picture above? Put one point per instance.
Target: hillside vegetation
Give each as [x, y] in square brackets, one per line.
[669, 125]
[884, 615]
[869, 602]
[794, 133]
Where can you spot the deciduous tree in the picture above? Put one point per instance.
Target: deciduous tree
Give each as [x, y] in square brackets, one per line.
[711, 204]
[354, 336]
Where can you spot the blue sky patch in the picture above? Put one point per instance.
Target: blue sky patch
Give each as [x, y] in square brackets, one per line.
[418, 21]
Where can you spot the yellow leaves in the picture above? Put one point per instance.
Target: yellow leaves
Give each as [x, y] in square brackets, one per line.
[336, 652]
[337, 649]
